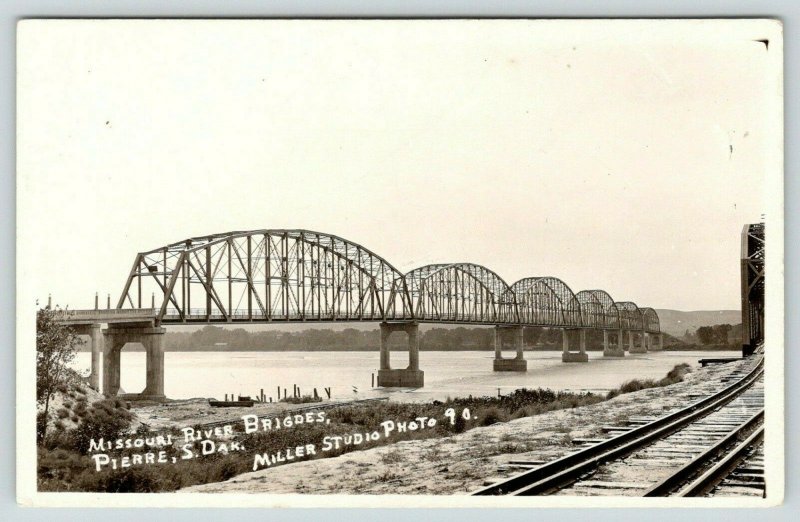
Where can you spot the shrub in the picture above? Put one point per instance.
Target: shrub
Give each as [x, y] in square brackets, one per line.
[136, 479]
[492, 415]
[108, 419]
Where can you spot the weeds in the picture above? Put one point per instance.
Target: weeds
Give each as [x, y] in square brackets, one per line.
[64, 465]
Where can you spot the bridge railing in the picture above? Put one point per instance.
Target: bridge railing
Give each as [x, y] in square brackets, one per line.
[242, 314]
[107, 312]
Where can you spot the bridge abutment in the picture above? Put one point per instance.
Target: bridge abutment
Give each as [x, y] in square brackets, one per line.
[518, 363]
[567, 355]
[152, 338]
[410, 377]
[617, 350]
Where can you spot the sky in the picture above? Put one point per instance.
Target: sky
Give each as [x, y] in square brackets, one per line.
[618, 155]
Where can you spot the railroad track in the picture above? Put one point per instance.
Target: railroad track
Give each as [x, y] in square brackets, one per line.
[659, 456]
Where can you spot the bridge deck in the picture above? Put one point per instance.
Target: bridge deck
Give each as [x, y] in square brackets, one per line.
[112, 315]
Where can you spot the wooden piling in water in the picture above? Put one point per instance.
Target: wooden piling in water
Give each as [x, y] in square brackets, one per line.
[315, 394]
[373, 380]
[328, 391]
[262, 395]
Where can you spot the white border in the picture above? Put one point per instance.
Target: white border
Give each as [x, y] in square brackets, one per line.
[774, 439]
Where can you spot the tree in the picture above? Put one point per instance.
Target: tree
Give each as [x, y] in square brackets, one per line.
[721, 332]
[56, 344]
[705, 334]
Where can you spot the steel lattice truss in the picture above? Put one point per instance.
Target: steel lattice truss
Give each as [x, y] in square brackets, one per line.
[650, 319]
[300, 275]
[630, 317]
[460, 292]
[753, 258]
[598, 309]
[547, 301]
[268, 275]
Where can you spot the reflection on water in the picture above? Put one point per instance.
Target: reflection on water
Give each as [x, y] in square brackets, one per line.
[349, 374]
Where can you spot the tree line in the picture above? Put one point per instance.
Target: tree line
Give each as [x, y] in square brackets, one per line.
[216, 338]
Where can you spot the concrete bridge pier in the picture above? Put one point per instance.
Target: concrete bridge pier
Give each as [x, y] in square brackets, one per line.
[658, 343]
[638, 347]
[152, 338]
[412, 376]
[518, 363]
[93, 331]
[96, 340]
[568, 356]
[618, 350]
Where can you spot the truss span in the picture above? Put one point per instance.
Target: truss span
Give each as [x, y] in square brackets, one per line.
[267, 275]
[460, 293]
[301, 275]
[547, 301]
[598, 309]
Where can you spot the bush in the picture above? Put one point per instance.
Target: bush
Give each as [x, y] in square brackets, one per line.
[491, 416]
[136, 479]
[636, 385]
[108, 419]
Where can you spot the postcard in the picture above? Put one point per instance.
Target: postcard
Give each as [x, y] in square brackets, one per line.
[400, 263]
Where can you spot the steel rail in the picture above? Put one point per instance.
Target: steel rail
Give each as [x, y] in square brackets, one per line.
[555, 474]
[723, 468]
[684, 474]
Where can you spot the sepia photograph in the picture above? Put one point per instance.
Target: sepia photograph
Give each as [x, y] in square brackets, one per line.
[400, 263]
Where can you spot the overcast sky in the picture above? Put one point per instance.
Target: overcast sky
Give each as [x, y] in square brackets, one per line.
[618, 156]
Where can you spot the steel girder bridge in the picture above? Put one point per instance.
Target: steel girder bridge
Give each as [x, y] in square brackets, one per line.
[274, 276]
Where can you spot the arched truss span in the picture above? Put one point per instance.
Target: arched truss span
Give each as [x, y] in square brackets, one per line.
[267, 275]
[650, 320]
[598, 309]
[630, 317]
[460, 292]
[546, 301]
[300, 275]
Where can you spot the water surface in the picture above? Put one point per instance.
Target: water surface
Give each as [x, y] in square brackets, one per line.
[349, 374]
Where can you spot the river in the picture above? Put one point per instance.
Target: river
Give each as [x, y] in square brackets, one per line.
[349, 374]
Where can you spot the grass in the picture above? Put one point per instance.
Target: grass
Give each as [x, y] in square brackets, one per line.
[64, 465]
[675, 375]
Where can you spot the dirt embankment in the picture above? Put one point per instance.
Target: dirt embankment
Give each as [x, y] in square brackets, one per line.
[461, 463]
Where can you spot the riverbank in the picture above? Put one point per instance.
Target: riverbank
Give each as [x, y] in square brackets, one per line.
[461, 463]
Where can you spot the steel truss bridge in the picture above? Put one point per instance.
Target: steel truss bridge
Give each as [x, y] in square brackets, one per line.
[753, 257]
[274, 276]
[298, 275]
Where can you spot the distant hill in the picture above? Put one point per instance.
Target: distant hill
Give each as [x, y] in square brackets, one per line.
[675, 322]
